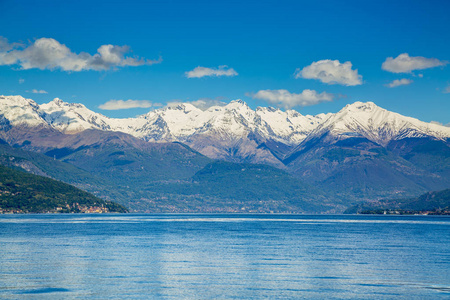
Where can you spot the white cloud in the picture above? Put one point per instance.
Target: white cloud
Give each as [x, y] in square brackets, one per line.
[405, 63]
[447, 90]
[202, 72]
[21, 80]
[202, 104]
[439, 123]
[284, 98]
[6, 46]
[330, 72]
[121, 104]
[48, 53]
[399, 82]
[436, 123]
[34, 91]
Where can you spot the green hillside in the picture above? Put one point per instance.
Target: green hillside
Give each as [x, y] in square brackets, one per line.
[230, 187]
[437, 202]
[22, 192]
[170, 177]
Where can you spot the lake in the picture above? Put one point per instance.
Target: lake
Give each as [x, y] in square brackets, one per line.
[226, 256]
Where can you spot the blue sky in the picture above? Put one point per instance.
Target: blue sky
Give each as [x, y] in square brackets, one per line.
[290, 54]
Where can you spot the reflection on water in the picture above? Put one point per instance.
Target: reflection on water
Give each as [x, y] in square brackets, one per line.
[224, 257]
[43, 291]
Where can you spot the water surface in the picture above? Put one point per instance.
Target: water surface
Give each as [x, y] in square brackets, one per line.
[224, 257]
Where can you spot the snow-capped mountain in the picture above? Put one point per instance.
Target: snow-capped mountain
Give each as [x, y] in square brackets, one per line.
[233, 120]
[376, 124]
[233, 132]
[367, 152]
[361, 152]
[18, 111]
[73, 118]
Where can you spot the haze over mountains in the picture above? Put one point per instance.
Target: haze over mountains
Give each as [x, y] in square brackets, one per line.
[363, 152]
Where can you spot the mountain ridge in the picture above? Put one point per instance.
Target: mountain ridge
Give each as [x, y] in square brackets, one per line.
[232, 124]
[233, 132]
[378, 124]
[361, 153]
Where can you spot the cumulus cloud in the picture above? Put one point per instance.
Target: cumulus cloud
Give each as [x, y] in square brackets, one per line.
[202, 72]
[399, 82]
[121, 104]
[34, 91]
[439, 123]
[48, 53]
[6, 46]
[202, 104]
[436, 123]
[284, 98]
[330, 72]
[206, 103]
[405, 63]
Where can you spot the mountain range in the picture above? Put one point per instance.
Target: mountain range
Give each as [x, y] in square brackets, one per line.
[361, 153]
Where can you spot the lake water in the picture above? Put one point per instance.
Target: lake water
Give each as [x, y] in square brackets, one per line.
[224, 257]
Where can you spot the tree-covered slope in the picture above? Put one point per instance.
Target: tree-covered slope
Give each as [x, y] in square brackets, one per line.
[23, 192]
[230, 187]
[113, 166]
[40, 164]
[358, 169]
[436, 202]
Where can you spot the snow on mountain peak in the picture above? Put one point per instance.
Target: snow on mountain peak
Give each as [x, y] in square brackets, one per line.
[358, 106]
[72, 117]
[185, 107]
[266, 109]
[57, 102]
[237, 102]
[377, 124]
[20, 111]
[231, 123]
[17, 101]
[59, 105]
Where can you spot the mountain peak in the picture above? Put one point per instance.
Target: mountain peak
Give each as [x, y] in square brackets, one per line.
[19, 110]
[239, 106]
[361, 106]
[58, 102]
[293, 113]
[377, 124]
[228, 125]
[240, 101]
[18, 100]
[185, 107]
[267, 109]
[237, 102]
